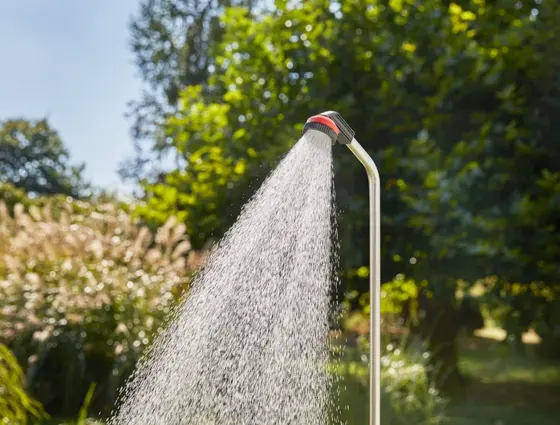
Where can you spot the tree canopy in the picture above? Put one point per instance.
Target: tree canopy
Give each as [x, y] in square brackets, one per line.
[33, 158]
[173, 42]
[455, 101]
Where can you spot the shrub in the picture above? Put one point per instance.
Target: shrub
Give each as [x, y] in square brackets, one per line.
[407, 396]
[82, 290]
[12, 195]
[400, 311]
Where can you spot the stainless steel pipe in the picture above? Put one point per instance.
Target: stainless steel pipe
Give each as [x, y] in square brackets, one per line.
[374, 281]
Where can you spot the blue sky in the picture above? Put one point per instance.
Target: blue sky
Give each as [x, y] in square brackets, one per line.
[70, 61]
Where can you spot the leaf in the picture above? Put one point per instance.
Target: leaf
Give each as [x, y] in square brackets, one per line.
[363, 272]
[82, 414]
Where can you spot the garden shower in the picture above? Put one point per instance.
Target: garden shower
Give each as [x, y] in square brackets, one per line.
[331, 127]
[248, 358]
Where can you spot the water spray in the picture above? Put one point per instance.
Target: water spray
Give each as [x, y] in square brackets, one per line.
[333, 128]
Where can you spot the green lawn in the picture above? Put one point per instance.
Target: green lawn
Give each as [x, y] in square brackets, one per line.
[507, 388]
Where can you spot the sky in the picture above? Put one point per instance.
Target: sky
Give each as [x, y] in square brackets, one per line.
[70, 61]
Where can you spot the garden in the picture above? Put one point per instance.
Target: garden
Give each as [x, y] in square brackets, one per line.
[456, 102]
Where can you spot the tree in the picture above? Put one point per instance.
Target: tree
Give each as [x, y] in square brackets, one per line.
[173, 41]
[489, 202]
[450, 98]
[33, 158]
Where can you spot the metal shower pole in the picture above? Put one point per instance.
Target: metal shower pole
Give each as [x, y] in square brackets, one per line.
[334, 126]
[374, 281]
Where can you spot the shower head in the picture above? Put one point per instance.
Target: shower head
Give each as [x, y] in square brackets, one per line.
[333, 125]
[324, 125]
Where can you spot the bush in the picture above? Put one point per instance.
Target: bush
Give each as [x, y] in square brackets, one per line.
[407, 397]
[12, 195]
[82, 290]
[399, 309]
[15, 405]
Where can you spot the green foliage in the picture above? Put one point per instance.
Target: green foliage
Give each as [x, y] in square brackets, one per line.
[421, 77]
[399, 307]
[33, 158]
[219, 137]
[407, 396]
[456, 101]
[12, 195]
[173, 42]
[488, 201]
[83, 413]
[82, 290]
[96, 202]
[398, 293]
[16, 406]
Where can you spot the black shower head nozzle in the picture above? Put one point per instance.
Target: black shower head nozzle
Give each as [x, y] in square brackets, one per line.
[324, 125]
[346, 134]
[333, 125]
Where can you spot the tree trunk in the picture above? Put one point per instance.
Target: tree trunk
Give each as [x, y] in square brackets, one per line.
[441, 328]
